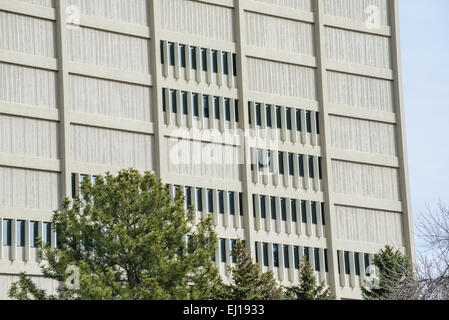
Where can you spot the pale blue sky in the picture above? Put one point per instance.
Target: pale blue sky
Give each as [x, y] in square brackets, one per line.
[424, 28]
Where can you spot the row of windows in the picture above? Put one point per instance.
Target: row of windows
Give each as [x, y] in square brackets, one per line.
[198, 58]
[307, 254]
[265, 159]
[357, 256]
[217, 197]
[273, 117]
[223, 250]
[76, 184]
[20, 234]
[298, 209]
[209, 106]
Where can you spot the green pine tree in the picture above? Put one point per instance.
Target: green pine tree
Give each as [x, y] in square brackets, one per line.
[308, 289]
[393, 268]
[128, 238]
[247, 282]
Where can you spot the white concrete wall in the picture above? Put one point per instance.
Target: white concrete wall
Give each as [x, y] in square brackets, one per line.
[370, 226]
[281, 79]
[33, 137]
[358, 48]
[196, 18]
[360, 92]
[363, 136]
[357, 10]
[279, 34]
[306, 5]
[23, 188]
[112, 147]
[124, 11]
[27, 34]
[109, 49]
[366, 181]
[30, 86]
[110, 98]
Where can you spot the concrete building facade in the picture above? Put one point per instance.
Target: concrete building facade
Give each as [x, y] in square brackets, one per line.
[89, 86]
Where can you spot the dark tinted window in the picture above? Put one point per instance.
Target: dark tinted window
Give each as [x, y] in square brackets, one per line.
[182, 56]
[193, 58]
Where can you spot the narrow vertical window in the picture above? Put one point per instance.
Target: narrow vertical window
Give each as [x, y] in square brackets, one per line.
[171, 53]
[7, 232]
[210, 200]
[206, 106]
[293, 210]
[220, 195]
[263, 209]
[241, 203]
[188, 197]
[73, 178]
[288, 117]
[298, 120]
[270, 160]
[184, 103]
[236, 106]
[326, 266]
[317, 116]
[284, 209]
[346, 258]
[204, 59]
[291, 169]
[225, 63]
[199, 199]
[309, 121]
[367, 264]
[173, 106]
[223, 250]
[278, 117]
[316, 253]
[234, 64]
[307, 253]
[34, 233]
[357, 263]
[254, 205]
[314, 216]
[227, 107]
[231, 204]
[311, 170]
[301, 165]
[265, 254]
[281, 162]
[260, 160]
[217, 107]
[162, 53]
[195, 104]
[273, 207]
[193, 58]
[303, 211]
[296, 256]
[323, 215]
[214, 54]
[286, 257]
[276, 255]
[249, 113]
[182, 55]
[258, 114]
[233, 245]
[20, 235]
[46, 238]
[268, 116]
